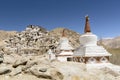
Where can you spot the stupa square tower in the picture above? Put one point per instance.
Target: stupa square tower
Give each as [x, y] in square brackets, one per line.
[89, 51]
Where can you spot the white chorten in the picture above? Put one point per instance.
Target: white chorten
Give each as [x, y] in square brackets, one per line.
[51, 55]
[64, 49]
[89, 51]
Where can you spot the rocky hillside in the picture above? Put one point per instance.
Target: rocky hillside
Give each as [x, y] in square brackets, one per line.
[112, 43]
[22, 57]
[71, 35]
[5, 35]
[37, 40]
[113, 47]
[29, 41]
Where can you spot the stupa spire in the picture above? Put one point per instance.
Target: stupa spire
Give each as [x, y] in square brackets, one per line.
[63, 33]
[87, 25]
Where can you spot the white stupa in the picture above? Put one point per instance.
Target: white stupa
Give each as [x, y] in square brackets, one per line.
[64, 49]
[89, 51]
[51, 55]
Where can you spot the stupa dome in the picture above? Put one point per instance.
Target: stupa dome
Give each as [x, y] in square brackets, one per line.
[64, 43]
[88, 39]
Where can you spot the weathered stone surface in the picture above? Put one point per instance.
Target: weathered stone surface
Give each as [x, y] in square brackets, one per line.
[35, 71]
[43, 70]
[108, 70]
[16, 71]
[4, 70]
[19, 62]
[1, 57]
[39, 67]
[29, 65]
[1, 60]
[46, 72]
[9, 59]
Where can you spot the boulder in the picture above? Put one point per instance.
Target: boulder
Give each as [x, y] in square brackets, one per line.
[16, 71]
[1, 60]
[46, 72]
[8, 59]
[19, 62]
[29, 65]
[42, 69]
[4, 70]
[35, 71]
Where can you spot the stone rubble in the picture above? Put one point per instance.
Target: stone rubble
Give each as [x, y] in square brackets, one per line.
[34, 40]
[41, 67]
[4, 70]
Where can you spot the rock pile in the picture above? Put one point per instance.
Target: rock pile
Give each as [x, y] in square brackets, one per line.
[42, 68]
[39, 66]
[33, 40]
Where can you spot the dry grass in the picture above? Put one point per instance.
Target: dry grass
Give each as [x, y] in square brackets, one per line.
[115, 58]
[6, 34]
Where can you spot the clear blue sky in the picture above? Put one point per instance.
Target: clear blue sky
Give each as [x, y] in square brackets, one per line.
[104, 15]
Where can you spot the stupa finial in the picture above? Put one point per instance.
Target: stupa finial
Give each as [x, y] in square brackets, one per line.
[87, 25]
[63, 33]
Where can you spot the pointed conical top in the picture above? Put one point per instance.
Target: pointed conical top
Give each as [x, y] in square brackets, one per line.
[87, 25]
[49, 51]
[63, 33]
